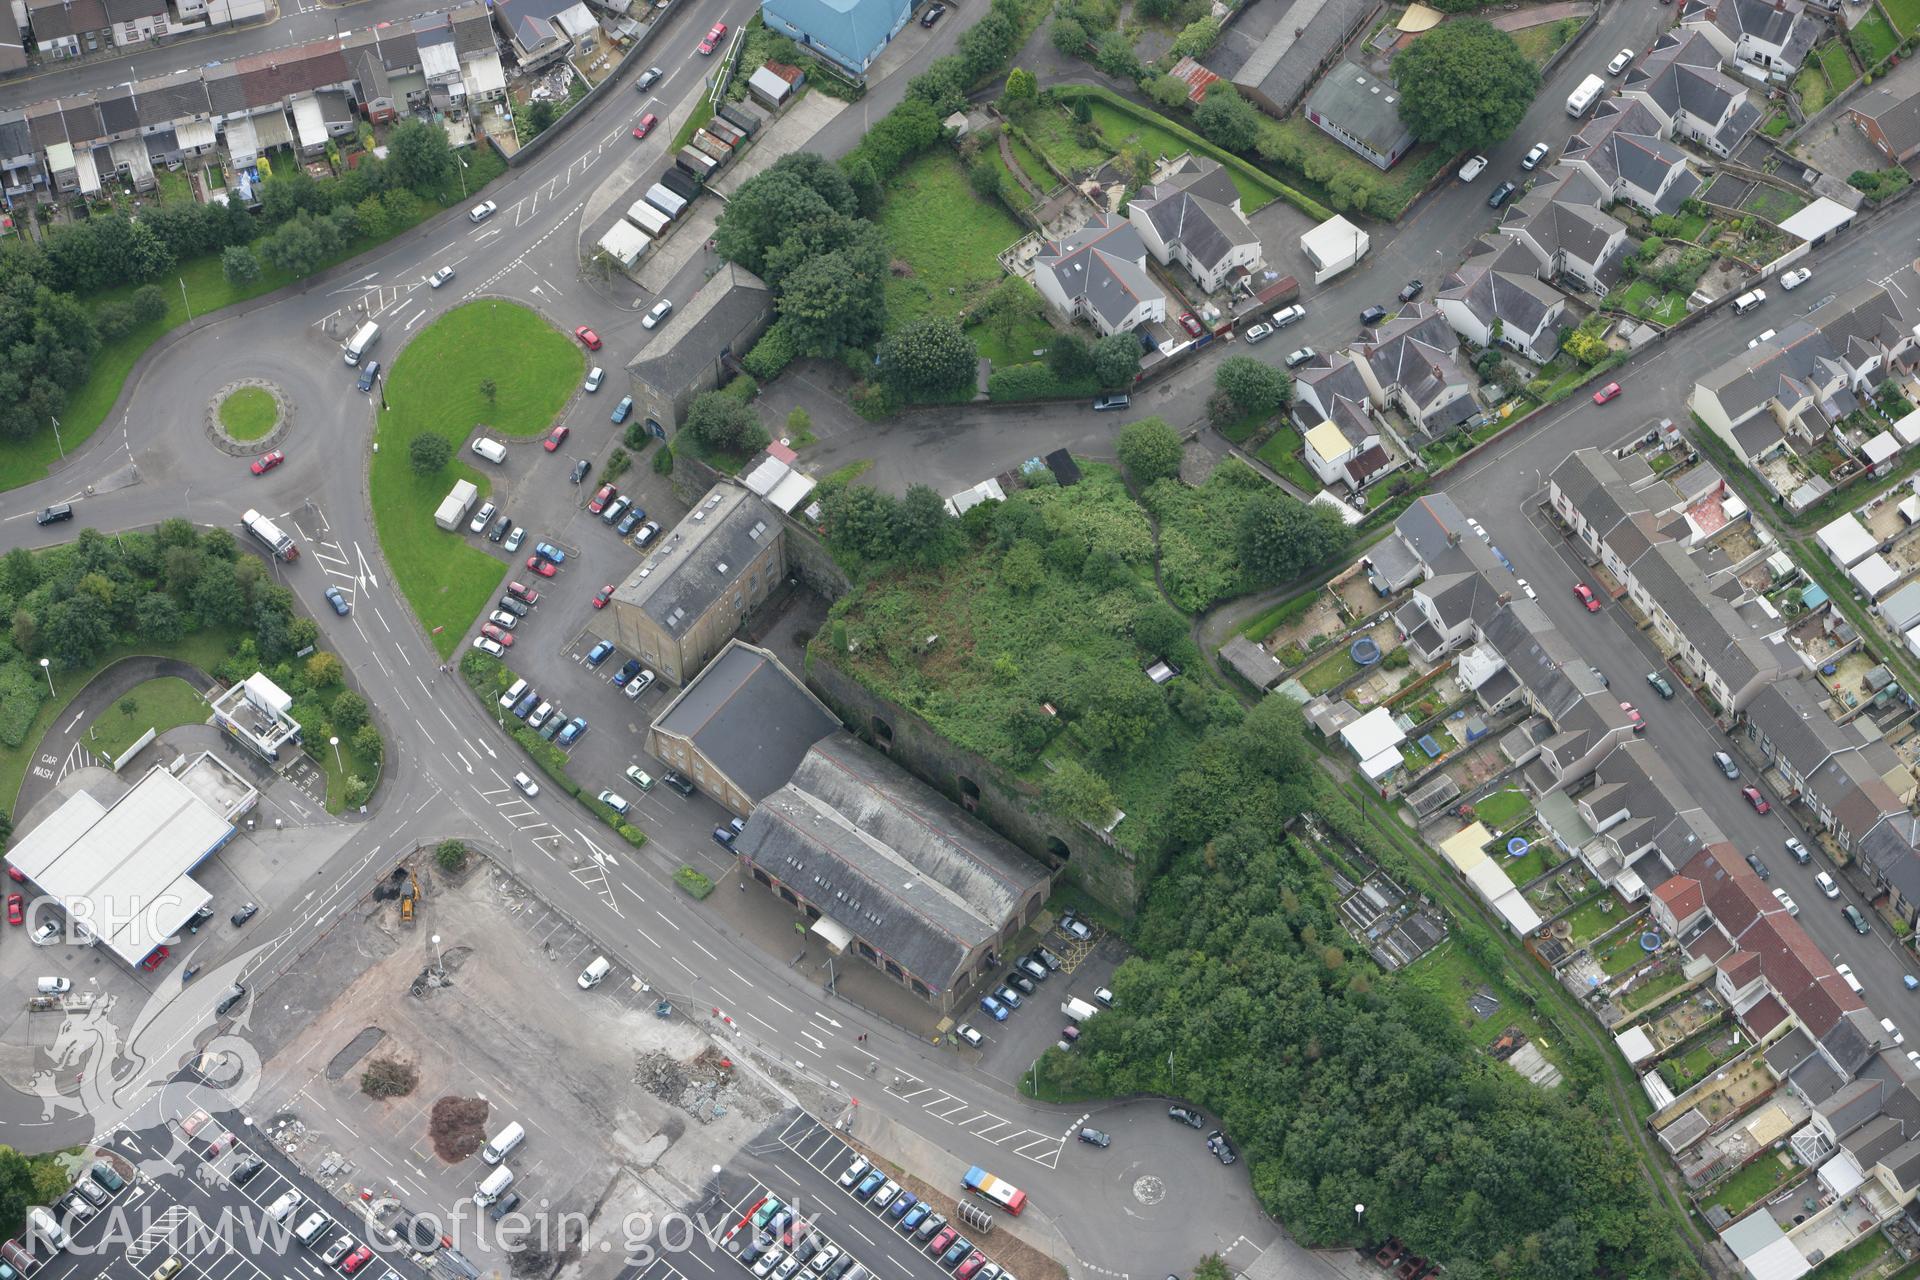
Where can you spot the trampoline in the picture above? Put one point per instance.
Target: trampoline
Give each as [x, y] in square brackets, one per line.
[1364, 651]
[1517, 847]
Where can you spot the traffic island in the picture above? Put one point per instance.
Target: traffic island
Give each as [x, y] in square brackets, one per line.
[249, 416]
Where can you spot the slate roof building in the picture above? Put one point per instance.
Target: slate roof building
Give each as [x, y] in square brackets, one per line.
[890, 870]
[1570, 236]
[69, 28]
[1680, 81]
[848, 33]
[1099, 274]
[1623, 149]
[1499, 285]
[540, 32]
[1192, 216]
[13, 47]
[1774, 34]
[1413, 363]
[741, 727]
[721, 322]
[698, 581]
[1888, 112]
[1303, 43]
[1361, 111]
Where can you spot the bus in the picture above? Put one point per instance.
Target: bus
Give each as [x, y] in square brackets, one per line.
[998, 1190]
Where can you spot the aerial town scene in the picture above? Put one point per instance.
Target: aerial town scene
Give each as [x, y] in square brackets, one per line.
[960, 639]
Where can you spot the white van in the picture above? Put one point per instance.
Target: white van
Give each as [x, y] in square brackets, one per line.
[502, 1143]
[1748, 301]
[492, 450]
[493, 1186]
[591, 975]
[41, 1224]
[280, 1209]
[1581, 100]
[362, 341]
[312, 1229]
[55, 986]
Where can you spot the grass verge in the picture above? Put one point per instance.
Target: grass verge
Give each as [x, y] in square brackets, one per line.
[161, 704]
[434, 388]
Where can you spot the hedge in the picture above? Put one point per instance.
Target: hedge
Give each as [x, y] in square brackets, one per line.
[696, 885]
[1032, 381]
[773, 353]
[1307, 205]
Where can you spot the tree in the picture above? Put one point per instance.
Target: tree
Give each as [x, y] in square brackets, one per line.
[427, 453]
[795, 192]
[1068, 37]
[985, 176]
[1464, 85]
[1070, 357]
[540, 116]
[324, 669]
[1150, 450]
[836, 302]
[1022, 91]
[149, 304]
[158, 619]
[721, 422]
[1116, 359]
[1280, 538]
[1021, 569]
[1197, 38]
[1256, 388]
[368, 744]
[450, 854]
[930, 356]
[1170, 92]
[1226, 119]
[1077, 793]
[861, 519]
[922, 528]
[299, 246]
[349, 711]
[799, 425]
[1113, 53]
[419, 157]
[239, 265]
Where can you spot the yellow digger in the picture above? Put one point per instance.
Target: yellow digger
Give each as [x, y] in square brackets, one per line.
[408, 899]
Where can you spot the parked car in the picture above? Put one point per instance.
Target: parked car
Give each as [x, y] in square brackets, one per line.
[932, 15]
[496, 634]
[1258, 332]
[599, 653]
[615, 509]
[1535, 156]
[1288, 315]
[482, 211]
[629, 521]
[499, 530]
[1473, 168]
[1587, 597]
[246, 912]
[1660, 684]
[595, 376]
[571, 734]
[1221, 1148]
[1606, 393]
[1728, 769]
[1297, 358]
[1795, 278]
[993, 1008]
[1759, 867]
[1411, 290]
[1373, 315]
[542, 566]
[503, 620]
[1854, 918]
[481, 518]
[627, 671]
[1191, 1119]
[647, 532]
[678, 781]
[966, 1031]
[621, 410]
[1754, 798]
[1116, 401]
[1191, 323]
[1095, 1138]
[1767, 336]
[1780, 896]
[527, 594]
[487, 646]
[1633, 716]
[1797, 851]
[1501, 194]
[659, 311]
[1018, 981]
[855, 1171]
[515, 606]
[588, 338]
[1826, 884]
[1620, 61]
[639, 684]
[601, 498]
[557, 436]
[603, 595]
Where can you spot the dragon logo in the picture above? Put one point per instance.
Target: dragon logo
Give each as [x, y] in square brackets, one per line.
[106, 1075]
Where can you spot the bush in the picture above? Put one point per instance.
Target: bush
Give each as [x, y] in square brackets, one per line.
[429, 452]
[663, 461]
[451, 855]
[617, 463]
[1878, 184]
[772, 354]
[389, 1078]
[1150, 450]
[1032, 381]
[696, 885]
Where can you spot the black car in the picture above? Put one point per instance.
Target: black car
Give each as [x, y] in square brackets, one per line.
[1221, 1148]
[1412, 289]
[505, 1205]
[245, 913]
[932, 15]
[678, 781]
[1501, 194]
[580, 470]
[1373, 315]
[517, 608]
[750, 1254]
[1759, 867]
[1020, 982]
[1191, 1119]
[243, 1172]
[1095, 1138]
[500, 527]
[232, 996]
[648, 78]
[199, 918]
[368, 372]
[59, 511]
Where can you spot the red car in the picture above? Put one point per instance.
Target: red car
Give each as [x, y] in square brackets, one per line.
[1191, 324]
[1586, 596]
[646, 124]
[542, 566]
[556, 438]
[1606, 393]
[1754, 798]
[525, 593]
[16, 875]
[355, 1260]
[16, 908]
[601, 499]
[267, 462]
[588, 338]
[600, 599]
[1633, 717]
[714, 37]
[157, 958]
[502, 638]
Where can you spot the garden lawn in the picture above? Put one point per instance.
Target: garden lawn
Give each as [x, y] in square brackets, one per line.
[161, 704]
[1905, 14]
[1503, 808]
[1647, 301]
[434, 386]
[1329, 672]
[1595, 917]
[1452, 975]
[951, 238]
[1119, 128]
[1526, 868]
[206, 290]
[1282, 453]
[1773, 205]
[1543, 39]
[1750, 1185]
[249, 413]
[1052, 131]
[1031, 164]
[1873, 39]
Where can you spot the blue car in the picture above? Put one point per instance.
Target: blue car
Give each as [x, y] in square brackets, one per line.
[626, 673]
[903, 1202]
[621, 410]
[869, 1185]
[551, 552]
[338, 601]
[524, 708]
[915, 1216]
[993, 1008]
[571, 734]
[723, 836]
[598, 654]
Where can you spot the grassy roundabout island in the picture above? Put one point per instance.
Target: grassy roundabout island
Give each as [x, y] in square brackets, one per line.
[435, 388]
[248, 413]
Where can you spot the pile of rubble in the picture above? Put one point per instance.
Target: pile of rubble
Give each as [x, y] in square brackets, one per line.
[704, 1087]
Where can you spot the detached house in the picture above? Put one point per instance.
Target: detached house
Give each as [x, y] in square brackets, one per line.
[1680, 81]
[1570, 236]
[1774, 34]
[1099, 274]
[1496, 296]
[1192, 216]
[1412, 363]
[1624, 151]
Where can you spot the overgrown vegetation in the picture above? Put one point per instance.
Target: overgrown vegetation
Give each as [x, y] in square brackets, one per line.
[389, 1078]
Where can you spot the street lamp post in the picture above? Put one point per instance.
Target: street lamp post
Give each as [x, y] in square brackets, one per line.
[334, 742]
[62, 445]
[1359, 1220]
[46, 665]
[437, 966]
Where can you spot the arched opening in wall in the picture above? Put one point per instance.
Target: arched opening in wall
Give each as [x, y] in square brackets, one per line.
[882, 734]
[1057, 850]
[969, 793]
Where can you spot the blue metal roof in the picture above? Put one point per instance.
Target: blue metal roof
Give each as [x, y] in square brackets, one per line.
[849, 32]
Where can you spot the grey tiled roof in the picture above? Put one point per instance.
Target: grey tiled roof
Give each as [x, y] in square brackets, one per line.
[165, 99]
[1104, 263]
[1208, 229]
[1362, 105]
[117, 113]
[749, 716]
[728, 303]
[1285, 62]
[700, 558]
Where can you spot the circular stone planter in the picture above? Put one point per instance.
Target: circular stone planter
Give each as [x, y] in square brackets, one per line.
[250, 390]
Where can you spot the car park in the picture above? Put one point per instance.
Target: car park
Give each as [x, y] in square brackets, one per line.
[1795, 278]
[1297, 358]
[1620, 61]
[267, 462]
[1660, 684]
[368, 372]
[646, 124]
[714, 37]
[598, 654]
[556, 438]
[1258, 332]
[588, 338]
[1759, 867]
[1780, 896]
[481, 518]
[1797, 851]
[1535, 156]
[1191, 1119]
[1501, 194]
[439, 277]
[1473, 168]
[993, 1008]
[1606, 393]
[656, 314]
[1754, 798]
[1826, 884]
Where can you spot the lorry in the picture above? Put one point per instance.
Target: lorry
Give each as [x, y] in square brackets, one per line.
[362, 341]
[282, 546]
[1581, 100]
[454, 507]
[1077, 1009]
[998, 1190]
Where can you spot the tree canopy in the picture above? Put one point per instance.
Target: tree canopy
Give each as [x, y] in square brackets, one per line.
[1150, 450]
[1464, 85]
[927, 357]
[1282, 538]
